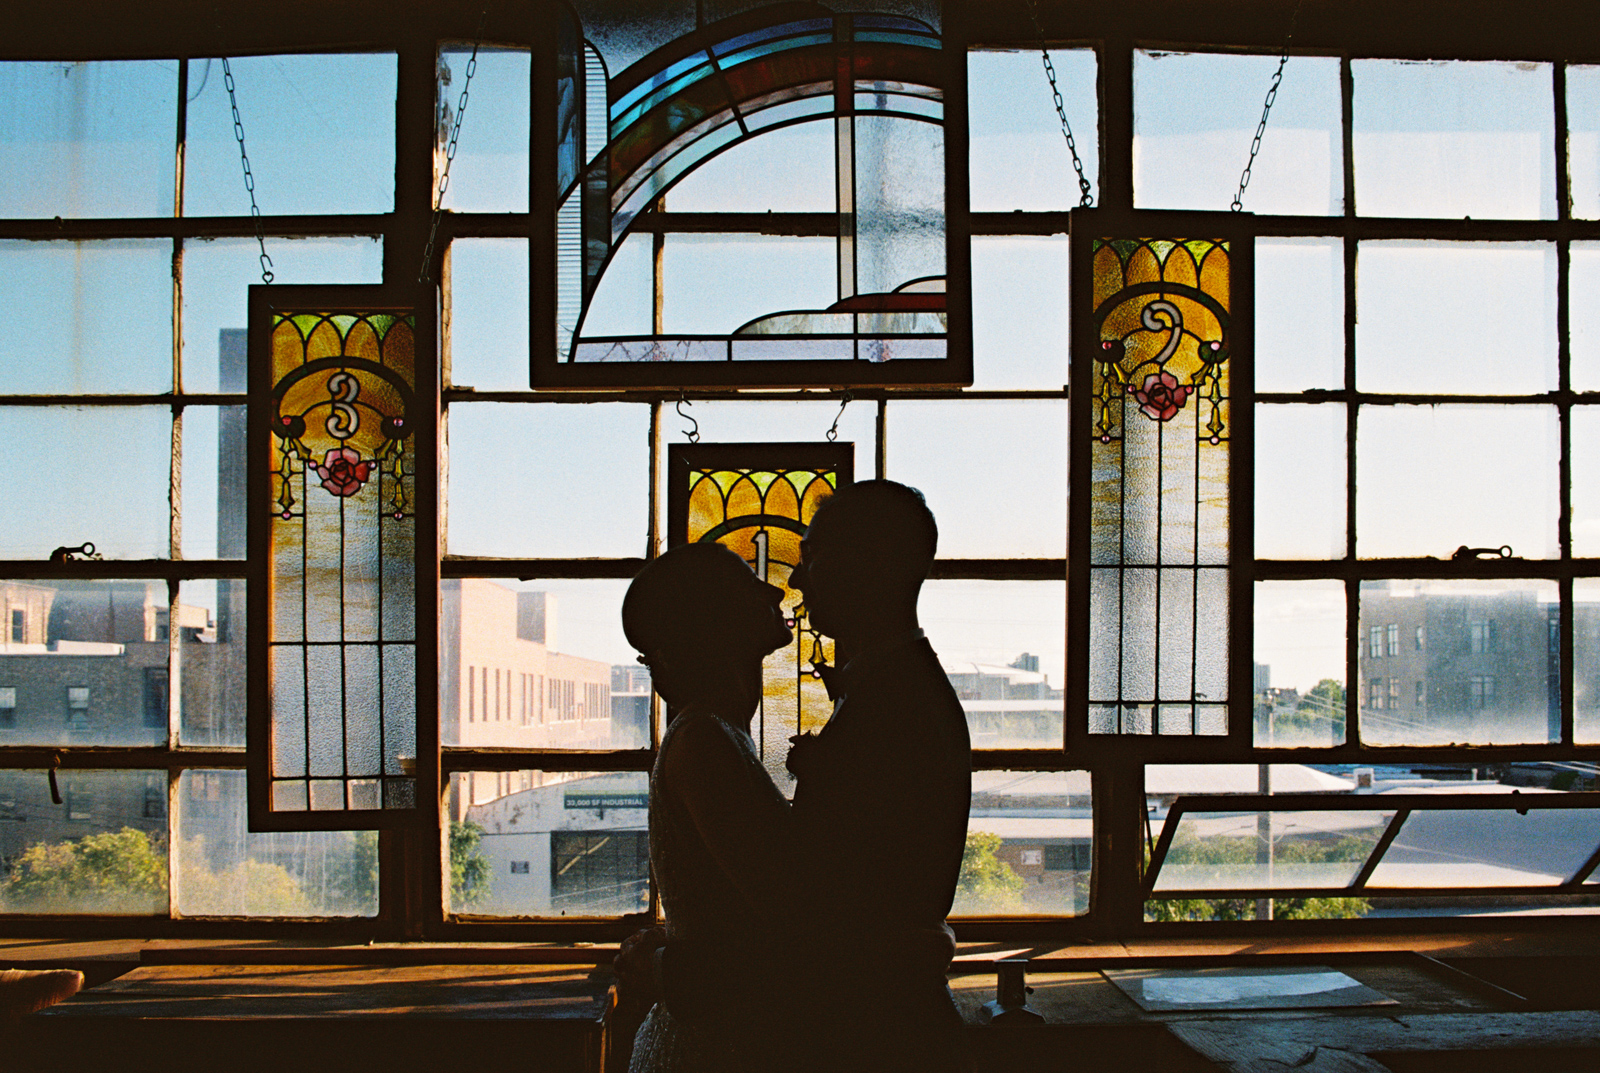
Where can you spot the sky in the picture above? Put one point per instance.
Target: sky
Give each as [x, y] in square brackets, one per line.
[98, 139]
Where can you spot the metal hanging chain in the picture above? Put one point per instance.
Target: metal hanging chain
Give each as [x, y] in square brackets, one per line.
[833, 433]
[1086, 195]
[1266, 110]
[450, 152]
[249, 179]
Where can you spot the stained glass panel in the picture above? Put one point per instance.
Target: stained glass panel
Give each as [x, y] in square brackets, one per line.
[339, 439]
[758, 499]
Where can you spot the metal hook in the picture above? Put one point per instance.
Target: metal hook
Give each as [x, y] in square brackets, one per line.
[1464, 552]
[69, 554]
[833, 432]
[55, 791]
[692, 433]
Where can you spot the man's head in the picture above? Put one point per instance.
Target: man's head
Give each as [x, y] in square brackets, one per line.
[865, 556]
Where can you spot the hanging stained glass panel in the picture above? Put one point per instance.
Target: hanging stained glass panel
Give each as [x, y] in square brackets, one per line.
[342, 465]
[758, 499]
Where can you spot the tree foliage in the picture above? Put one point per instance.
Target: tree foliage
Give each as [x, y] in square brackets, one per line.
[246, 888]
[987, 884]
[469, 865]
[113, 872]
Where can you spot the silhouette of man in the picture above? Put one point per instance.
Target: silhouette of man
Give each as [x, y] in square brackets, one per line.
[883, 790]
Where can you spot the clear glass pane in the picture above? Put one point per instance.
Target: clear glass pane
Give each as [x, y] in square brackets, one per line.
[1459, 662]
[539, 664]
[92, 139]
[1299, 664]
[97, 474]
[715, 284]
[102, 850]
[511, 465]
[1299, 314]
[1452, 138]
[994, 473]
[1583, 314]
[490, 172]
[785, 170]
[1196, 113]
[212, 663]
[98, 316]
[1300, 482]
[1583, 140]
[213, 482]
[1019, 312]
[1456, 317]
[548, 844]
[1018, 158]
[86, 661]
[1586, 660]
[1585, 455]
[1430, 479]
[224, 869]
[1482, 848]
[319, 130]
[217, 275]
[623, 302]
[1003, 647]
[1029, 845]
[488, 323]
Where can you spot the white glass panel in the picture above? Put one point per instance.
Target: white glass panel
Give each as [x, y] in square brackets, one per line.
[1583, 315]
[1018, 158]
[1300, 482]
[1299, 314]
[1019, 312]
[488, 325]
[1583, 140]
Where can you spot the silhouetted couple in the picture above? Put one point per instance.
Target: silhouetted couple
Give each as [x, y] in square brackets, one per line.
[809, 936]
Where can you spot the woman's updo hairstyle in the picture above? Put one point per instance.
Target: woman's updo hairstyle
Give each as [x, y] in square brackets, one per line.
[678, 604]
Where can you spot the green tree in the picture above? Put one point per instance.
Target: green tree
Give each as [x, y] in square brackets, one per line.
[469, 865]
[987, 884]
[245, 888]
[114, 872]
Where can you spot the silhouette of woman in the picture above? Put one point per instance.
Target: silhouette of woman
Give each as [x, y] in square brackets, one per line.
[720, 845]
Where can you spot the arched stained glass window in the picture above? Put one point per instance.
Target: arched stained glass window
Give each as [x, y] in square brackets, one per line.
[878, 79]
[758, 499]
[1155, 363]
[342, 467]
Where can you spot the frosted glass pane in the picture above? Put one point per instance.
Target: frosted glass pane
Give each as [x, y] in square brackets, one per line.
[490, 173]
[1299, 663]
[1211, 635]
[1196, 113]
[1583, 140]
[1585, 431]
[98, 316]
[1139, 620]
[1300, 481]
[1586, 660]
[1299, 314]
[488, 325]
[1176, 640]
[91, 139]
[1430, 479]
[899, 203]
[1583, 315]
[1018, 158]
[1454, 139]
[1105, 634]
[1456, 317]
[1019, 312]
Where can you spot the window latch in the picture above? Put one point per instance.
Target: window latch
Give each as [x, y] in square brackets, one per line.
[82, 553]
[55, 790]
[1464, 552]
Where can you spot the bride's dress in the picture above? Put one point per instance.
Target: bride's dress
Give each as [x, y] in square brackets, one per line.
[702, 901]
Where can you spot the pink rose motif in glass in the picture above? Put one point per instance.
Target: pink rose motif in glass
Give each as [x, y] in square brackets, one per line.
[1161, 396]
[343, 472]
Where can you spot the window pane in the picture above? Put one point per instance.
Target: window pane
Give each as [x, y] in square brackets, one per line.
[1481, 848]
[1299, 314]
[1583, 315]
[1196, 113]
[1453, 139]
[1586, 660]
[319, 130]
[1003, 647]
[539, 665]
[1018, 157]
[715, 284]
[1456, 317]
[87, 661]
[211, 662]
[544, 481]
[1430, 479]
[217, 275]
[785, 170]
[97, 474]
[1029, 845]
[213, 482]
[548, 844]
[488, 333]
[1585, 454]
[102, 850]
[490, 172]
[1299, 664]
[994, 473]
[97, 316]
[226, 870]
[92, 139]
[1583, 140]
[1472, 663]
[1300, 482]
[1019, 312]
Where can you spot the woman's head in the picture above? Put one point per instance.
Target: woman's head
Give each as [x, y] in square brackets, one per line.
[697, 614]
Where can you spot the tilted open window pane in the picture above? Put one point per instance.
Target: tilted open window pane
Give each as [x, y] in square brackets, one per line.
[875, 82]
[1459, 662]
[343, 510]
[548, 843]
